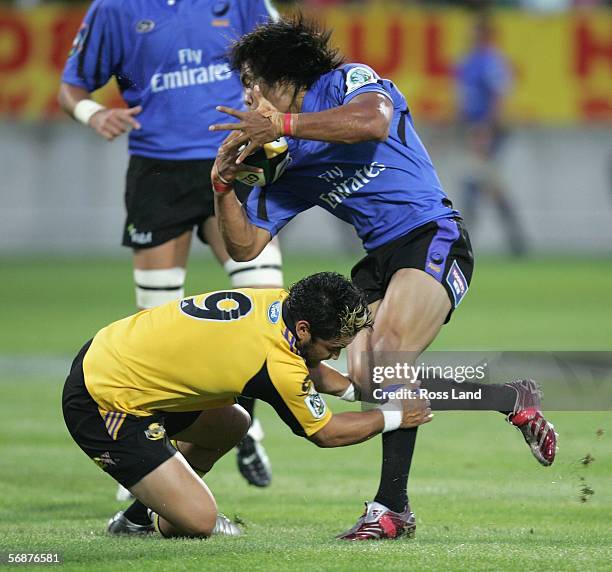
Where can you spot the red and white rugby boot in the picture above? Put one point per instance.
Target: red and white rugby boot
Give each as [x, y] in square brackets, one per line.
[527, 417]
[378, 523]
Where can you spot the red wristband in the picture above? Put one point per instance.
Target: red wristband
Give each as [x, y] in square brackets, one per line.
[219, 184]
[288, 124]
[220, 187]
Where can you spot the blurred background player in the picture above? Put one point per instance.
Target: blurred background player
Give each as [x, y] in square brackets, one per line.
[169, 62]
[484, 79]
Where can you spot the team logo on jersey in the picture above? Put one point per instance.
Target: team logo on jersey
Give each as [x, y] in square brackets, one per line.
[358, 77]
[155, 432]
[457, 282]
[79, 40]
[274, 312]
[316, 405]
[145, 26]
[220, 8]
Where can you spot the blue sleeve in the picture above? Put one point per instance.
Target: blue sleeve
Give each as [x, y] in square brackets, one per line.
[352, 80]
[255, 12]
[272, 207]
[95, 52]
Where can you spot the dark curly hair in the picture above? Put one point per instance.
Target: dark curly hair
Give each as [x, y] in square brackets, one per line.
[331, 304]
[293, 50]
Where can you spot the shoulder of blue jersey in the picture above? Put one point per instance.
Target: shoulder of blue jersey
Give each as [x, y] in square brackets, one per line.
[359, 75]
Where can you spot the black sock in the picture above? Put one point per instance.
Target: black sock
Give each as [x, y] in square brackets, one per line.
[494, 397]
[397, 448]
[137, 513]
[247, 403]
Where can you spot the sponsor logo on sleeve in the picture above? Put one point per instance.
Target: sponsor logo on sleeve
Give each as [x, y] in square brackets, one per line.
[457, 282]
[316, 405]
[358, 77]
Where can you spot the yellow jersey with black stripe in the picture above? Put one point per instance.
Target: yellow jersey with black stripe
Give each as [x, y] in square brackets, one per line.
[200, 353]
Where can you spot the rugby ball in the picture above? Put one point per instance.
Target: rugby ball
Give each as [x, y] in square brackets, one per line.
[272, 158]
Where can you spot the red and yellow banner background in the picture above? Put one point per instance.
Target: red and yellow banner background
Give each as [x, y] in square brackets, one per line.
[562, 62]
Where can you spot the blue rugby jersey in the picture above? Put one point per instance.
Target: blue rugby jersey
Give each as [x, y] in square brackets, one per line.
[170, 57]
[483, 76]
[383, 189]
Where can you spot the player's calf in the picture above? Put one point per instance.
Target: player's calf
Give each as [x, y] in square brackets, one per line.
[156, 287]
[253, 461]
[264, 271]
[182, 502]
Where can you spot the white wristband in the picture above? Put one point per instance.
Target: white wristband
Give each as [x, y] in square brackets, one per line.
[392, 413]
[349, 394]
[84, 109]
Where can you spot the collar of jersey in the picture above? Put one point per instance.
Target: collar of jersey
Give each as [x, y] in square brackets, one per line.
[312, 94]
[289, 328]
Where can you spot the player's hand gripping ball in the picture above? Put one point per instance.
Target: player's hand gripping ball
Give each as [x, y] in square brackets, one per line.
[272, 159]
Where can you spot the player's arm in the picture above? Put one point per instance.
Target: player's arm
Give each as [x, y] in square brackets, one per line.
[246, 229]
[243, 240]
[350, 428]
[366, 117]
[109, 123]
[330, 381]
[97, 55]
[291, 394]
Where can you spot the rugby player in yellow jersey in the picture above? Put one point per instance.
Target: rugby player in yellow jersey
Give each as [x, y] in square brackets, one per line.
[174, 371]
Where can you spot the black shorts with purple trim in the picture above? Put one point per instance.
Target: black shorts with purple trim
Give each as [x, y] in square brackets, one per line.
[125, 446]
[440, 248]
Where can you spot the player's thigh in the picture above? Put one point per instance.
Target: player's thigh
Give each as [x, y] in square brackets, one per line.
[411, 314]
[219, 428]
[170, 254]
[174, 491]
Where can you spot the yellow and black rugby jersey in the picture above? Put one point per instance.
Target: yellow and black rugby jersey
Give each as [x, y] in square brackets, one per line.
[199, 353]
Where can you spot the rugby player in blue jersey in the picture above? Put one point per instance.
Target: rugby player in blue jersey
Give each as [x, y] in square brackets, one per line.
[484, 78]
[169, 60]
[356, 154]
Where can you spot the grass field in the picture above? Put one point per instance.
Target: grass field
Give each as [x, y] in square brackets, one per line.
[482, 501]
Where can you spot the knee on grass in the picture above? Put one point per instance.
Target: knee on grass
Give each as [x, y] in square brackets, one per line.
[197, 526]
[240, 423]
